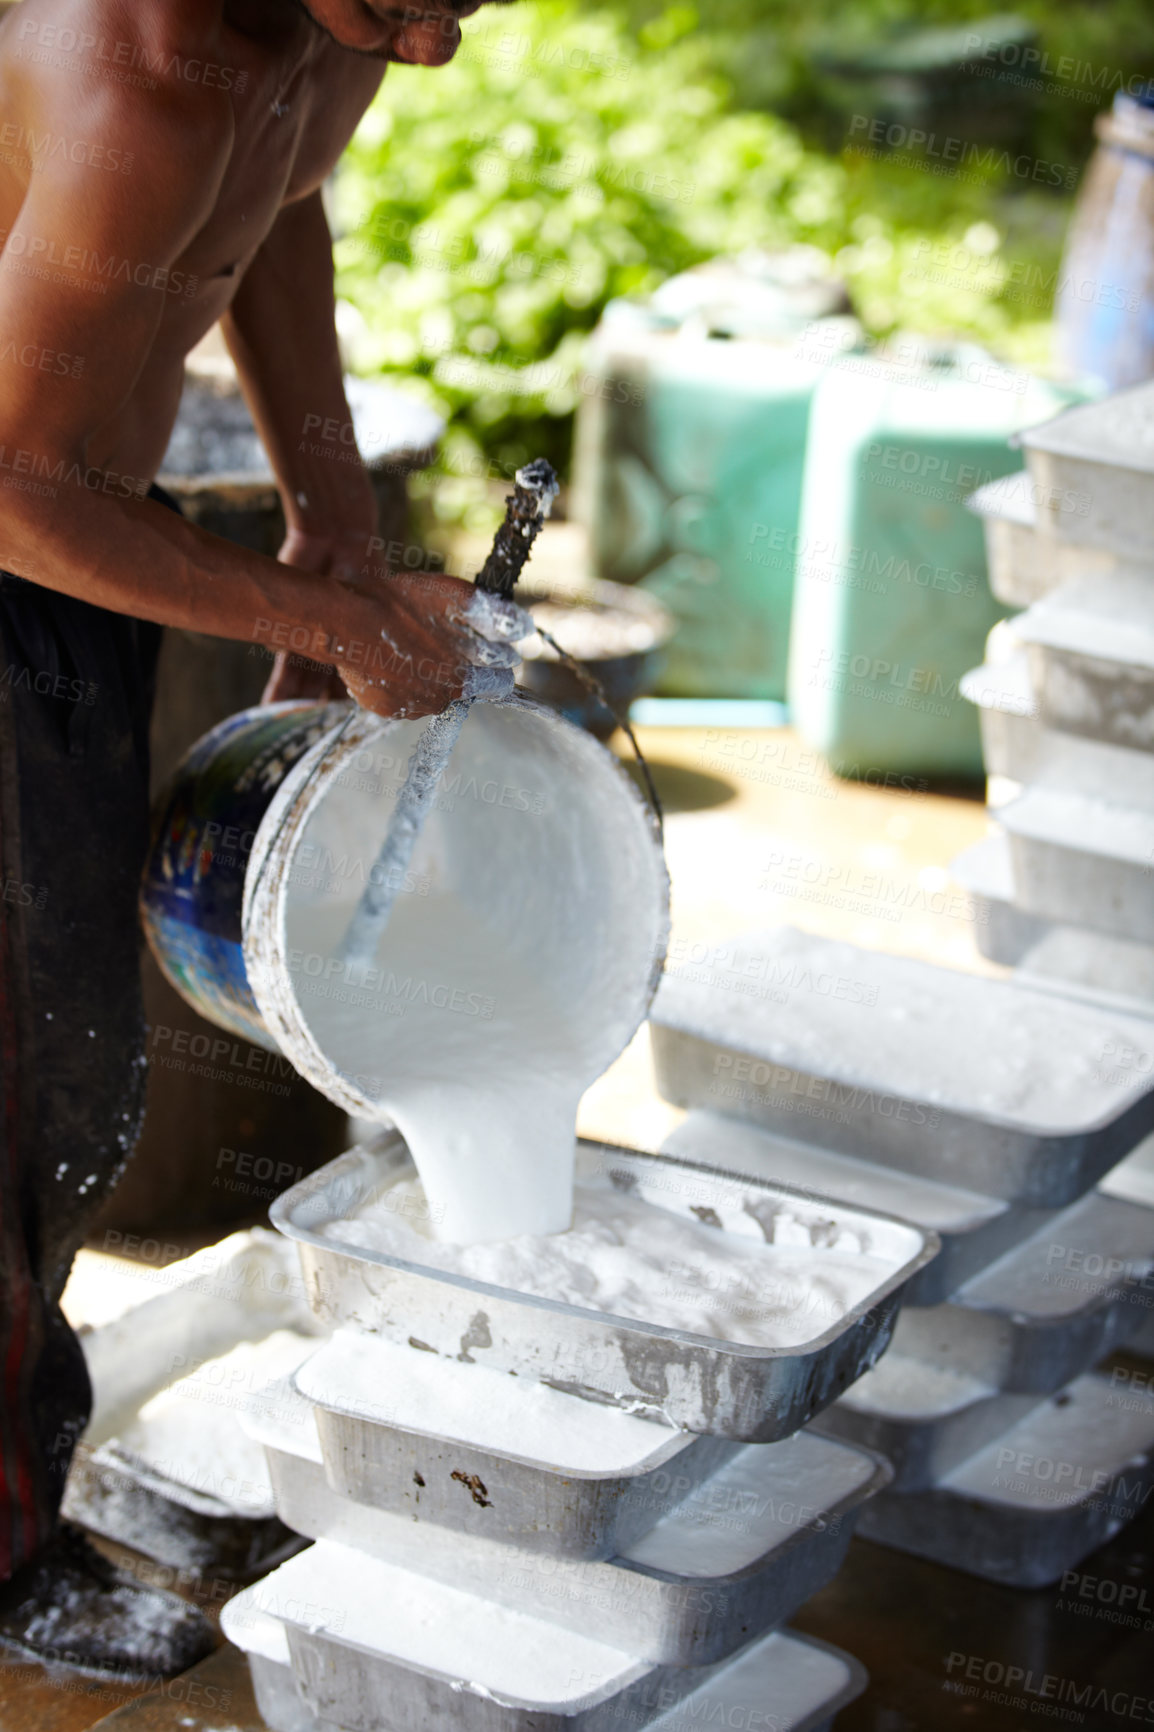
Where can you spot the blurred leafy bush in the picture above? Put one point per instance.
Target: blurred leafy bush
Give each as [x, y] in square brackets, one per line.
[486, 211]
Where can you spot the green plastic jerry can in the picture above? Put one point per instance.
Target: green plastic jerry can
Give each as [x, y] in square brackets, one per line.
[891, 603]
[690, 452]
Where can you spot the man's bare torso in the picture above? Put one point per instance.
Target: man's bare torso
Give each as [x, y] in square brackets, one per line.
[75, 79]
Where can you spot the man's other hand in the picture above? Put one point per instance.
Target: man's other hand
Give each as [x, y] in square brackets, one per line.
[295, 677]
[418, 640]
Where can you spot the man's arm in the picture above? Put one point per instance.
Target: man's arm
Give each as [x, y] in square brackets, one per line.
[111, 241]
[281, 332]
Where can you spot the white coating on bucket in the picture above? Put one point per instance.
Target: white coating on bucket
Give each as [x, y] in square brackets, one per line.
[628, 1257]
[519, 958]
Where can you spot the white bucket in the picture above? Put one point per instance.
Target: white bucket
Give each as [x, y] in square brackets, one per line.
[520, 956]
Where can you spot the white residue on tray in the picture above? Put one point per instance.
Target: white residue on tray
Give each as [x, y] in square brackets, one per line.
[190, 1434]
[630, 1258]
[752, 1505]
[915, 1388]
[406, 1617]
[475, 1405]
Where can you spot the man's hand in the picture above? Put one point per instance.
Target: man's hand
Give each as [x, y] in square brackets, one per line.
[340, 556]
[409, 643]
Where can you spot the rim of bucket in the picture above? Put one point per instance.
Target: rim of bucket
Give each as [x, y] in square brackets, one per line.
[263, 911]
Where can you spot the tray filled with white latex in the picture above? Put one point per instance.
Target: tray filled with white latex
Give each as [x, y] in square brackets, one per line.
[716, 1303]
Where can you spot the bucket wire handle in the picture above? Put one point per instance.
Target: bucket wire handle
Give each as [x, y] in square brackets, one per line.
[593, 684]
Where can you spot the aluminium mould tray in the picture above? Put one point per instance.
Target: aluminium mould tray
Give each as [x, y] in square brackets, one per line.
[729, 1389]
[1023, 563]
[973, 1229]
[1038, 1499]
[1097, 967]
[500, 1458]
[1082, 862]
[1090, 655]
[984, 1084]
[1048, 1310]
[923, 1418]
[782, 1682]
[1093, 473]
[738, 1556]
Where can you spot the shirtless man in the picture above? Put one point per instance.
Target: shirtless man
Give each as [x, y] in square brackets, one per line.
[161, 164]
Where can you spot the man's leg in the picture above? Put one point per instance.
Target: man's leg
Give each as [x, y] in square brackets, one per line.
[75, 693]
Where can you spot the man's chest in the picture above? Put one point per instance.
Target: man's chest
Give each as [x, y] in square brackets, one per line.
[289, 132]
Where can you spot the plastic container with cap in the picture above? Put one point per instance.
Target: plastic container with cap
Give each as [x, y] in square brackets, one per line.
[1105, 302]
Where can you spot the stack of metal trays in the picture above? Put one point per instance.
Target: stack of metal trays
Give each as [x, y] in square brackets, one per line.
[794, 1683]
[709, 1566]
[1067, 705]
[535, 1514]
[1037, 1286]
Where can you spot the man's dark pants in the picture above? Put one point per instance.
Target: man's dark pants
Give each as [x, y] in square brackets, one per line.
[76, 686]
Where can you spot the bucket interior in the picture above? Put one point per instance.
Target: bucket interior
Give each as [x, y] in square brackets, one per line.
[519, 957]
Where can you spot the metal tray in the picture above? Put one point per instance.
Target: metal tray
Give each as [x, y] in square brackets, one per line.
[973, 1229]
[262, 1639]
[922, 1419]
[1012, 735]
[1035, 1502]
[1019, 745]
[418, 1454]
[1096, 967]
[1023, 563]
[807, 1681]
[777, 1518]
[1049, 1310]
[1082, 862]
[753, 1394]
[1090, 651]
[366, 1659]
[784, 1683]
[1094, 474]
[917, 1067]
[1003, 932]
[128, 1501]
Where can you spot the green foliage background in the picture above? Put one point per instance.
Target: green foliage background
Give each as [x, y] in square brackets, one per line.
[487, 210]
